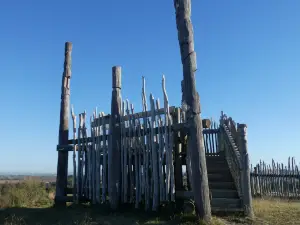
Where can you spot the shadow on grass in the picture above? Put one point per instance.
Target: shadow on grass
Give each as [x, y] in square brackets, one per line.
[92, 215]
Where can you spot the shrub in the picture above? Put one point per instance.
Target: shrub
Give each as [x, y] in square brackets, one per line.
[27, 194]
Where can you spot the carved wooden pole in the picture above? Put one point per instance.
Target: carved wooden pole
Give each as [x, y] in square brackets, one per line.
[191, 100]
[62, 164]
[114, 160]
[246, 186]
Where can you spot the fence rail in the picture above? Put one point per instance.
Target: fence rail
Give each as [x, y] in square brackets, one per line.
[276, 179]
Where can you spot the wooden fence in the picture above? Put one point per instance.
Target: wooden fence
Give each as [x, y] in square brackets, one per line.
[148, 152]
[211, 139]
[276, 179]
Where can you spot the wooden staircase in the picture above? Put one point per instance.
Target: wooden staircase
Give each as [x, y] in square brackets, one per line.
[224, 195]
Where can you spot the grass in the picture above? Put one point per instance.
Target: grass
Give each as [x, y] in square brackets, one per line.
[276, 211]
[30, 204]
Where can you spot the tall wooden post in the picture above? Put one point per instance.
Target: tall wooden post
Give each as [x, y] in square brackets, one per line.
[62, 164]
[192, 102]
[114, 160]
[246, 185]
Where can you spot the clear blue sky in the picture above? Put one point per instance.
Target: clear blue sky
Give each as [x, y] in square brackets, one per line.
[248, 56]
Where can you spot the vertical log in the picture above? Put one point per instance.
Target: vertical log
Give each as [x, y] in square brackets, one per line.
[123, 155]
[256, 182]
[154, 172]
[115, 138]
[243, 144]
[62, 162]
[146, 149]
[92, 162]
[178, 160]
[192, 101]
[130, 154]
[74, 157]
[84, 166]
[79, 158]
[104, 167]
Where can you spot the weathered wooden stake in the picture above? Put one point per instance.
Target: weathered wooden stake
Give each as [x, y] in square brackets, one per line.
[74, 157]
[246, 186]
[191, 100]
[178, 160]
[62, 162]
[114, 155]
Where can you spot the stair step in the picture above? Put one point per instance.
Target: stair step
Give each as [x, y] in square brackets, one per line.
[216, 163]
[219, 177]
[227, 210]
[212, 161]
[216, 194]
[215, 169]
[221, 185]
[226, 203]
[215, 158]
[224, 193]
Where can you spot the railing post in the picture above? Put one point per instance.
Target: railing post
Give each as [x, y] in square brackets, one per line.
[114, 160]
[245, 174]
[220, 141]
[221, 144]
[62, 162]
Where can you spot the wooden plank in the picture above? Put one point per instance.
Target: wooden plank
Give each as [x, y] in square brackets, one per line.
[216, 193]
[62, 165]
[139, 115]
[68, 148]
[147, 131]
